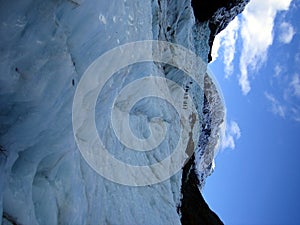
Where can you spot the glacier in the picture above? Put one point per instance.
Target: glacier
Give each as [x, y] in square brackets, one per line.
[46, 47]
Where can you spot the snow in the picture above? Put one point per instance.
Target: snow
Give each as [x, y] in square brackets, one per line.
[46, 46]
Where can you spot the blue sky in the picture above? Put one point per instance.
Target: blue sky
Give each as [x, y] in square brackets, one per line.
[257, 64]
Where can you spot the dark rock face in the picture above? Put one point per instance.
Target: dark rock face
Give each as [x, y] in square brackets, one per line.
[194, 210]
[218, 13]
[204, 10]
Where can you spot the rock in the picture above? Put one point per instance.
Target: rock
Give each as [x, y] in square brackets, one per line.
[219, 13]
[193, 208]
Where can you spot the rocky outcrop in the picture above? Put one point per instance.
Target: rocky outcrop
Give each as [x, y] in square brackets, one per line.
[193, 208]
[219, 13]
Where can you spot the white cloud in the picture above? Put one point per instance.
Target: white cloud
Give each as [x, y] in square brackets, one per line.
[227, 39]
[229, 45]
[295, 84]
[286, 33]
[232, 133]
[277, 70]
[216, 47]
[257, 35]
[277, 108]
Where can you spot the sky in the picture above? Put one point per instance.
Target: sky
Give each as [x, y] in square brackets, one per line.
[257, 64]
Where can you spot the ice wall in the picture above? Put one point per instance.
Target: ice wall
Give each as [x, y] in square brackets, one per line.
[45, 48]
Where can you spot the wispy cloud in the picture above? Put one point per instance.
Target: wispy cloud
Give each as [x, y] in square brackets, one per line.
[229, 44]
[286, 101]
[232, 133]
[287, 33]
[295, 112]
[277, 70]
[276, 107]
[295, 85]
[227, 39]
[257, 35]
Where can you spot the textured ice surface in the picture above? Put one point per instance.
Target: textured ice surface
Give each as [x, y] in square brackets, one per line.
[45, 48]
